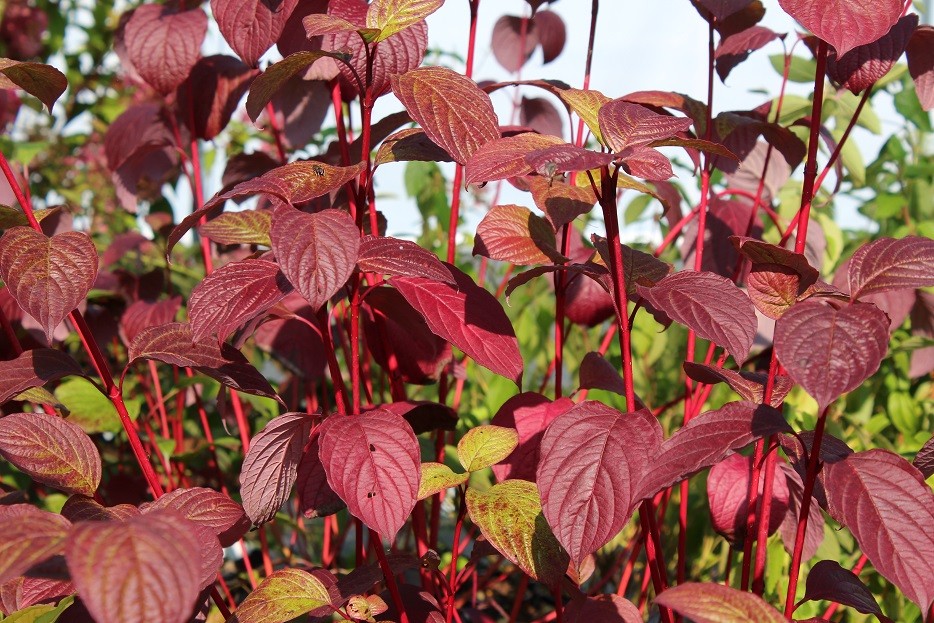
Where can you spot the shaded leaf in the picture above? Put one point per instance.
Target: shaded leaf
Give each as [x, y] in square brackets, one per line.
[392, 256]
[486, 445]
[728, 496]
[924, 460]
[407, 145]
[598, 373]
[540, 114]
[749, 385]
[34, 368]
[921, 64]
[212, 93]
[845, 24]
[530, 414]
[27, 538]
[245, 227]
[734, 49]
[208, 508]
[778, 277]
[862, 66]
[283, 596]
[561, 203]
[502, 158]
[438, 477]
[828, 580]
[604, 608]
[251, 26]
[392, 16]
[83, 508]
[512, 233]
[315, 496]
[513, 41]
[164, 44]
[276, 75]
[552, 34]
[715, 603]
[721, 9]
[814, 535]
[889, 264]
[41, 81]
[143, 314]
[639, 268]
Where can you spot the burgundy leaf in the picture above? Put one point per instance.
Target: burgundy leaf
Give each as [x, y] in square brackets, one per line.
[598, 373]
[514, 234]
[734, 49]
[530, 414]
[251, 26]
[35, 368]
[82, 508]
[706, 440]
[541, 115]
[41, 81]
[831, 351]
[814, 535]
[265, 86]
[150, 564]
[317, 252]
[561, 203]
[749, 385]
[232, 295]
[566, 158]
[625, 124]
[300, 107]
[924, 460]
[778, 277]
[292, 341]
[882, 499]
[452, 110]
[48, 277]
[212, 93]
[592, 460]
[863, 66]
[373, 463]
[715, 603]
[52, 451]
[710, 305]
[164, 44]
[423, 415]
[207, 508]
[639, 268]
[245, 227]
[469, 317]
[828, 580]
[721, 9]
[920, 53]
[410, 144]
[922, 324]
[728, 495]
[604, 608]
[143, 314]
[502, 158]
[648, 164]
[552, 34]
[889, 264]
[315, 496]
[172, 344]
[28, 538]
[514, 39]
[402, 258]
[845, 24]
[271, 465]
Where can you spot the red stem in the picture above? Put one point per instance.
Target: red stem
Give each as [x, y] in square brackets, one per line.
[810, 167]
[390, 578]
[276, 132]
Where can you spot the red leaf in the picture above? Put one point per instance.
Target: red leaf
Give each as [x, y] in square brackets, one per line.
[317, 252]
[451, 108]
[603, 608]
[172, 344]
[828, 580]
[552, 34]
[624, 124]
[514, 234]
[207, 508]
[845, 24]
[212, 93]
[265, 86]
[150, 564]
[52, 451]
[715, 603]
[502, 158]
[513, 41]
[82, 508]
[530, 414]
[920, 53]
[41, 81]
[639, 268]
[883, 501]
[29, 537]
[164, 44]
[924, 460]
[598, 373]
[814, 535]
[296, 345]
[315, 496]
[244, 227]
[251, 26]
[541, 115]
[232, 295]
[592, 460]
[706, 440]
[728, 495]
[735, 48]
[402, 258]
[561, 203]
[566, 158]
[889, 264]
[143, 314]
[469, 317]
[409, 144]
[861, 67]
[831, 351]
[710, 305]
[34, 368]
[721, 9]
[778, 276]
[271, 465]
[749, 385]
[373, 463]
[48, 277]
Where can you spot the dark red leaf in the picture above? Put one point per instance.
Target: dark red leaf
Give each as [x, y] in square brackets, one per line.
[503, 158]
[828, 580]
[566, 158]
[150, 564]
[268, 83]
[749, 385]
[734, 49]
[922, 325]
[251, 26]
[530, 414]
[271, 465]
[164, 44]
[831, 351]
[212, 93]
[513, 41]
[372, 461]
[721, 9]
[410, 144]
[863, 66]
[469, 317]
[639, 268]
[845, 24]
[648, 164]
[541, 115]
[625, 124]
[604, 608]
[244, 227]
[709, 304]
[924, 460]
[882, 499]
[716, 603]
[48, 277]
[207, 508]
[82, 508]
[28, 537]
[514, 234]
[552, 34]
[889, 264]
[592, 460]
[41, 81]
[294, 38]
[452, 109]
[598, 373]
[35, 368]
[296, 345]
[300, 107]
[561, 203]
[401, 258]
[920, 53]
[422, 415]
[778, 277]
[728, 496]
[232, 295]
[317, 252]
[814, 535]
[315, 496]
[143, 314]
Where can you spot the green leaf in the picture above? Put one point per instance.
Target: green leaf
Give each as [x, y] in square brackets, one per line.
[484, 446]
[801, 70]
[40, 613]
[283, 596]
[90, 409]
[436, 477]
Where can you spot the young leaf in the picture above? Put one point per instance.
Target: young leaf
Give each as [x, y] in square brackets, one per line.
[749, 385]
[285, 595]
[392, 16]
[451, 108]
[530, 414]
[150, 563]
[845, 24]
[509, 515]
[861, 67]
[598, 373]
[502, 158]
[881, 498]
[514, 234]
[828, 580]
[48, 277]
[164, 44]
[469, 317]
[889, 264]
[34, 368]
[276, 75]
[606, 608]
[485, 446]
[831, 351]
[921, 64]
[251, 26]
[438, 477]
[271, 465]
[728, 496]
[28, 539]
[52, 451]
[207, 508]
[373, 463]
[627, 125]
[41, 81]
[392, 256]
[592, 460]
[245, 227]
[232, 295]
[317, 252]
[710, 305]
[715, 603]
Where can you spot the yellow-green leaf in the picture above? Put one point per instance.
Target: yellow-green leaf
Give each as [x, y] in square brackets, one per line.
[392, 16]
[484, 446]
[283, 596]
[436, 477]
